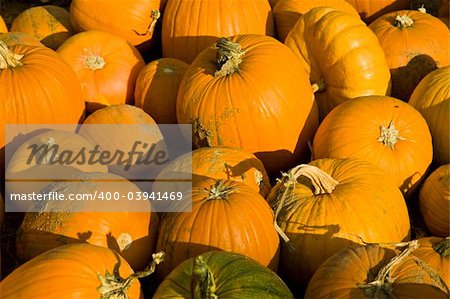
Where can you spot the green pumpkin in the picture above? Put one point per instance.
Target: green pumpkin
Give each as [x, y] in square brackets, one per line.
[221, 274]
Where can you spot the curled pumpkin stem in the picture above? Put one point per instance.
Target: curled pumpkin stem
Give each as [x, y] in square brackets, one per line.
[203, 285]
[155, 15]
[8, 59]
[229, 56]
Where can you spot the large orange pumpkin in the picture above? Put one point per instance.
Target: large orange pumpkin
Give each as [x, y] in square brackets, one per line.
[374, 272]
[225, 215]
[106, 65]
[414, 44]
[250, 92]
[382, 130]
[19, 38]
[341, 55]
[191, 26]
[3, 27]
[157, 89]
[133, 20]
[369, 10]
[287, 12]
[48, 24]
[435, 201]
[330, 204]
[432, 99]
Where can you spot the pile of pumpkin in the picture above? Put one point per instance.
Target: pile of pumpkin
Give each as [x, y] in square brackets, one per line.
[314, 123]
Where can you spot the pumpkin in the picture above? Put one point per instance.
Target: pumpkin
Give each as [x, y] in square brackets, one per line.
[329, 204]
[382, 130]
[244, 99]
[219, 274]
[432, 99]
[434, 199]
[287, 12]
[106, 65]
[157, 89]
[3, 27]
[19, 38]
[76, 270]
[226, 215]
[132, 20]
[49, 24]
[374, 272]
[341, 55]
[414, 44]
[435, 252]
[191, 26]
[132, 234]
[220, 162]
[369, 10]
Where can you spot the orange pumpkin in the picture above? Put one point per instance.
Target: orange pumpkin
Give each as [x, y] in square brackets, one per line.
[58, 274]
[3, 27]
[225, 215]
[48, 24]
[287, 12]
[382, 130]
[19, 38]
[369, 10]
[132, 20]
[435, 201]
[243, 99]
[191, 26]
[319, 208]
[157, 89]
[432, 99]
[414, 44]
[220, 163]
[107, 67]
[374, 272]
[341, 55]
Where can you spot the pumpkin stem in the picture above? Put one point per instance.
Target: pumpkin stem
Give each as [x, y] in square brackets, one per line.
[422, 9]
[319, 86]
[95, 62]
[8, 59]
[155, 15]
[389, 135]
[322, 183]
[403, 21]
[383, 281]
[228, 57]
[203, 285]
[124, 241]
[113, 286]
[219, 190]
[443, 247]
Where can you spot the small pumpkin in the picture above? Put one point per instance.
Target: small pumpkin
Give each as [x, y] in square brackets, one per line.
[434, 199]
[106, 65]
[432, 99]
[369, 10]
[157, 89]
[287, 12]
[381, 130]
[49, 24]
[376, 272]
[226, 215]
[435, 252]
[234, 95]
[191, 26]
[19, 38]
[3, 27]
[220, 274]
[341, 56]
[56, 274]
[329, 204]
[414, 44]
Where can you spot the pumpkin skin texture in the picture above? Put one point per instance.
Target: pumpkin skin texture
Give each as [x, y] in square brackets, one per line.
[106, 65]
[412, 49]
[341, 55]
[432, 99]
[191, 26]
[342, 274]
[224, 163]
[264, 108]
[132, 20]
[287, 12]
[226, 215]
[235, 275]
[56, 274]
[323, 231]
[19, 38]
[48, 24]
[434, 199]
[157, 89]
[381, 130]
[369, 10]
[3, 27]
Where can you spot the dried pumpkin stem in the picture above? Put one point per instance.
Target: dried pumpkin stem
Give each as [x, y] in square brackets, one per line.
[389, 135]
[219, 191]
[95, 62]
[443, 247]
[155, 15]
[203, 285]
[319, 86]
[8, 59]
[403, 21]
[229, 56]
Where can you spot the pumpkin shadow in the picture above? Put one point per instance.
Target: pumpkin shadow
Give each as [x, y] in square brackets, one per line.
[395, 6]
[54, 40]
